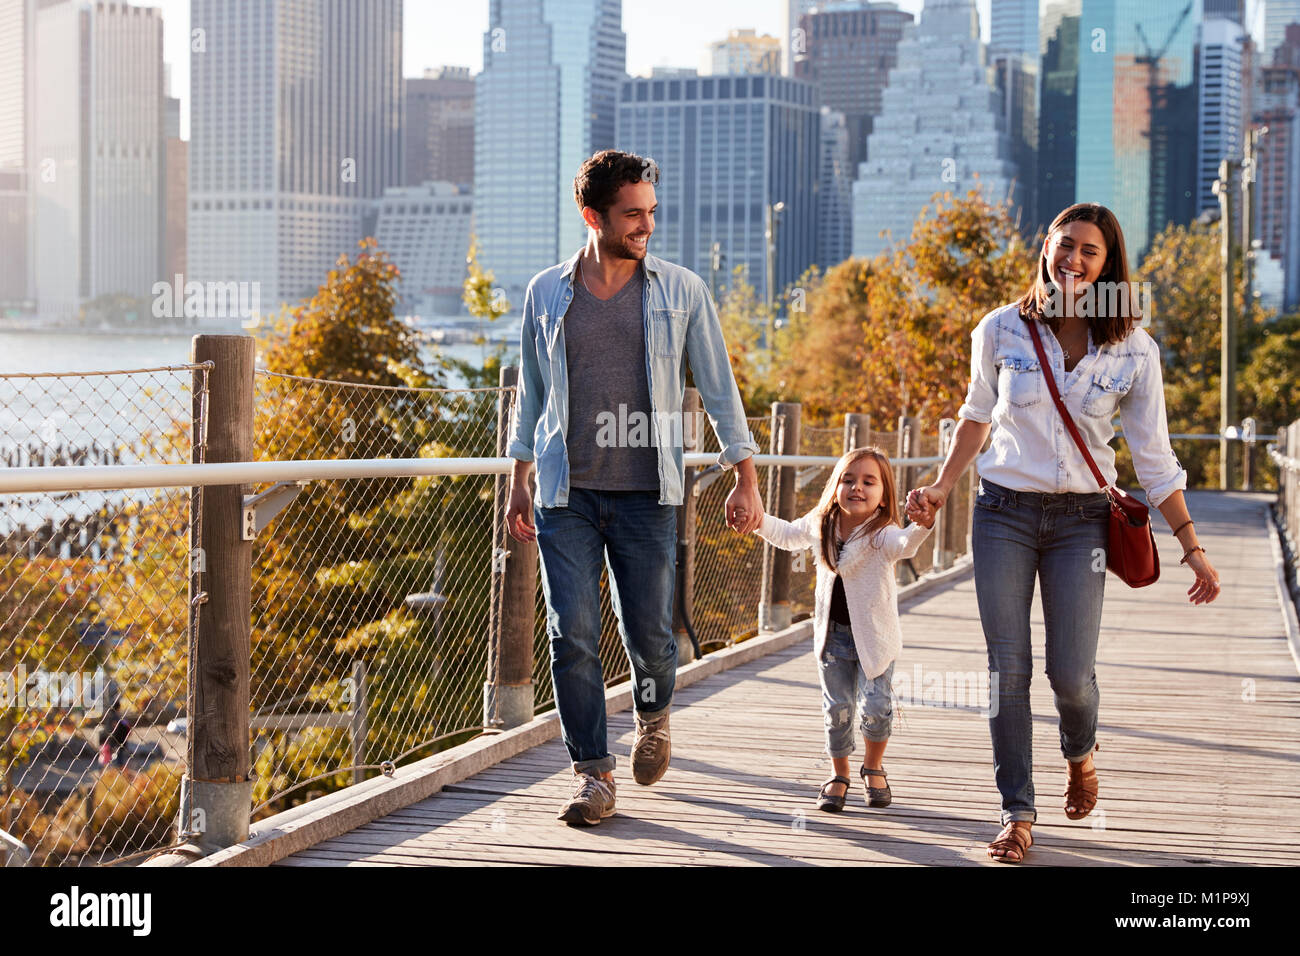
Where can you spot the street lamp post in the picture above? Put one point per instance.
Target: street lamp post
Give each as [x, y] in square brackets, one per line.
[1249, 168]
[1228, 339]
[773, 223]
[716, 259]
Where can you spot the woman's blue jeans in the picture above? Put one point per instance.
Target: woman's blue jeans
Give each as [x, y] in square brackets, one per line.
[637, 537]
[1059, 539]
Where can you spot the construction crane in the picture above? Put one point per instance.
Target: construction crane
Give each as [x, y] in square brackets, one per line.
[1160, 128]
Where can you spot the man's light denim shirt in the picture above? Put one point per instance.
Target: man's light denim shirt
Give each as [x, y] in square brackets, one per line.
[1031, 450]
[679, 319]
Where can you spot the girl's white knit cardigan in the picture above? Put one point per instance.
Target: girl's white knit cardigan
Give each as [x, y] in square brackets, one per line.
[867, 567]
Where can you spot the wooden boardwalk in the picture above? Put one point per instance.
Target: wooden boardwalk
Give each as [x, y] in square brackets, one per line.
[1199, 760]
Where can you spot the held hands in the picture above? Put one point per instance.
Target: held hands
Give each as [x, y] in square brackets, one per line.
[924, 503]
[744, 508]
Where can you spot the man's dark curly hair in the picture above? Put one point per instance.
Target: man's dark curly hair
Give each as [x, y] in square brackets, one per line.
[601, 177]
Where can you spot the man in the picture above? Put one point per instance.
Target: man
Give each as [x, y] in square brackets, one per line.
[604, 344]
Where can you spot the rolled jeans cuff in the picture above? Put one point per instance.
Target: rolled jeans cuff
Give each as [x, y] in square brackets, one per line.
[654, 714]
[595, 767]
[1026, 816]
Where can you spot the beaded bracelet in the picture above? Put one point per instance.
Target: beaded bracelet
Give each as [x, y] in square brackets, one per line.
[1190, 552]
[1182, 526]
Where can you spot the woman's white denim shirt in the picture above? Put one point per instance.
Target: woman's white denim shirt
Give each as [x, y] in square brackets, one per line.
[1031, 449]
[679, 320]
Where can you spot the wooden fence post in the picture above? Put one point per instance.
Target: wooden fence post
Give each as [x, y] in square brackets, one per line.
[1248, 454]
[907, 445]
[857, 431]
[774, 609]
[945, 528]
[684, 590]
[357, 724]
[508, 691]
[217, 789]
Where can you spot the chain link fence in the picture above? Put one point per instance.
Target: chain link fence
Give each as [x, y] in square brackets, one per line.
[370, 599]
[370, 596]
[94, 594]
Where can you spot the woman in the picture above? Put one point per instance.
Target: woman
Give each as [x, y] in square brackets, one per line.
[1039, 511]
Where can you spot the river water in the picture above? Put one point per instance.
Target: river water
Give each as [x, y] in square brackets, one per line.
[79, 420]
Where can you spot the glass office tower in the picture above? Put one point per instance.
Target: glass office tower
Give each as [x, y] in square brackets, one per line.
[727, 147]
[1137, 114]
[1058, 116]
[544, 102]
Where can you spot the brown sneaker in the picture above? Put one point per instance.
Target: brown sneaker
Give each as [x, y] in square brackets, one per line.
[592, 801]
[651, 749]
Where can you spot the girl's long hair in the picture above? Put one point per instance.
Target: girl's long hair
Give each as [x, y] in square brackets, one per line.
[1105, 327]
[829, 511]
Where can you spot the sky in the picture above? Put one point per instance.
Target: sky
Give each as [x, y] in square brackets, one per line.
[450, 32]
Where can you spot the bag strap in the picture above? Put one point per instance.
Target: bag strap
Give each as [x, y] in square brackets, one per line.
[1060, 405]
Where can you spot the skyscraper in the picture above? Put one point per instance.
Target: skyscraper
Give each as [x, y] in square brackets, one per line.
[1013, 27]
[1058, 114]
[792, 35]
[943, 124]
[425, 231]
[848, 50]
[1220, 84]
[295, 130]
[439, 129]
[98, 130]
[1137, 114]
[727, 148]
[1277, 15]
[835, 192]
[1234, 10]
[1015, 75]
[544, 102]
[1278, 176]
[744, 51]
[17, 106]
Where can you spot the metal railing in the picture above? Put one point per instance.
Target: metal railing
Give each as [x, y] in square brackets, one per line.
[1284, 455]
[376, 595]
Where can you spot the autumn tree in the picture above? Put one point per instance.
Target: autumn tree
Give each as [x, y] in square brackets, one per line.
[1183, 267]
[387, 572]
[891, 335]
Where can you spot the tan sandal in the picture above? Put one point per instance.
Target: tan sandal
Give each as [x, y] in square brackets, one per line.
[1013, 839]
[1080, 788]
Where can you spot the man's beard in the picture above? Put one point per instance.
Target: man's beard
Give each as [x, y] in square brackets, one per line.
[622, 249]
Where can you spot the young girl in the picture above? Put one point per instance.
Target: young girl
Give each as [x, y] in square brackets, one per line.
[856, 536]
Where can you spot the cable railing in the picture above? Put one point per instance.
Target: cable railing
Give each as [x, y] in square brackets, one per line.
[357, 541]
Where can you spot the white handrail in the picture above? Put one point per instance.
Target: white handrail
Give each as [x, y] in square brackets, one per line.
[121, 477]
[19, 849]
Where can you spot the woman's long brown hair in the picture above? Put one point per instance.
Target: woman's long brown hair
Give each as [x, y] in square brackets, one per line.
[829, 511]
[1105, 328]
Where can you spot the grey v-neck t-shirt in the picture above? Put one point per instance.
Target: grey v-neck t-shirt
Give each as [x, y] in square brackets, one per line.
[610, 427]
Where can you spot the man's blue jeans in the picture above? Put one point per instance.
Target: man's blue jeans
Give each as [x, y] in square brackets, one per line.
[1061, 540]
[637, 538]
